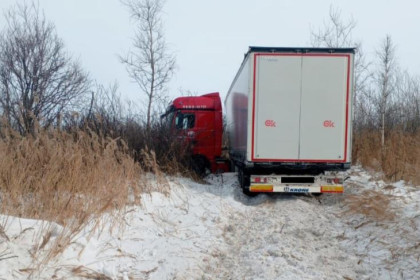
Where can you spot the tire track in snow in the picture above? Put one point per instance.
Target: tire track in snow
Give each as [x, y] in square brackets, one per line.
[279, 237]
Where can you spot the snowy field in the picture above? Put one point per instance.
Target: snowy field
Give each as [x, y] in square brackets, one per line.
[213, 231]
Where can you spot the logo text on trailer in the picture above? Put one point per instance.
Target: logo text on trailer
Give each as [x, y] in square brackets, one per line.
[329, 123]
[296, 190]
[270, 123]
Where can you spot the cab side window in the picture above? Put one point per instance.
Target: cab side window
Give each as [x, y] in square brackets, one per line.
[184, 121]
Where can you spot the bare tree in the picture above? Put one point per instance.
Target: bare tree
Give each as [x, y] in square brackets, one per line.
[403, 103]
[385, 77]
[337, 33]
[107, 117]
[408, 89]
[37, 78]
[148, 63]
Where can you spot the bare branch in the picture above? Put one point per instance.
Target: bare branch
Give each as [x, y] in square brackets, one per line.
[148, 63]
[335, 33]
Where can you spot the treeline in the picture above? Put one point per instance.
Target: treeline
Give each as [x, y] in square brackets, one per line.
[44, 89]
[386, 103]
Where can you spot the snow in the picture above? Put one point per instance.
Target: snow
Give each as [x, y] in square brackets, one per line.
[213, 231]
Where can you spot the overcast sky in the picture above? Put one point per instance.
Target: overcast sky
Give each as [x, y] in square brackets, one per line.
[209, 38]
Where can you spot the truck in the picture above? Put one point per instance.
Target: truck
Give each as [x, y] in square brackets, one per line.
[288, 121]
[198, 121]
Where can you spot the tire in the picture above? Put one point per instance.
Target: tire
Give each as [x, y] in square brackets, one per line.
[199, 165]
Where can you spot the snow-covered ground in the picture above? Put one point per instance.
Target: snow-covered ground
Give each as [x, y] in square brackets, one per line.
[213, 231]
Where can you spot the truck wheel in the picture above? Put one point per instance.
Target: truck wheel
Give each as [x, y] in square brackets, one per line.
[198, 165]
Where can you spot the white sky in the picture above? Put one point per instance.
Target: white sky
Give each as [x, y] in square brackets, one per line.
[209, 38]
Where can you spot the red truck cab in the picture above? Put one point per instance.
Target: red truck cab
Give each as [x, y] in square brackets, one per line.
[199, 121]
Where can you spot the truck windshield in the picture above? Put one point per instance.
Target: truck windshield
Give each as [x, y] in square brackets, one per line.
[167, 119]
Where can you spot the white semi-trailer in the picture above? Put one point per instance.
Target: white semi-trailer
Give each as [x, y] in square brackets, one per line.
[289, 119]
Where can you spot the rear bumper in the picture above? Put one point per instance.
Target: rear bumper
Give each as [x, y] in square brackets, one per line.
[269, 188]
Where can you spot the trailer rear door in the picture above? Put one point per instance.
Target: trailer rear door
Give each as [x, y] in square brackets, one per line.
[277, 101]
[300, 107]
[323, 108]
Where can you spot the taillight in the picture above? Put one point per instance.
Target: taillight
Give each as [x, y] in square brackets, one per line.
[332, 189]
[336, 180]
[259, 180]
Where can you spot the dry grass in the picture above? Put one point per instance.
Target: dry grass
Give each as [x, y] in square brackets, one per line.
[87, 273]
[372, 204]
[59, 174]
[68, 178]
[400, 159]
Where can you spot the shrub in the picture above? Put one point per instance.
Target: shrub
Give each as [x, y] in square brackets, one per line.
[400, 158]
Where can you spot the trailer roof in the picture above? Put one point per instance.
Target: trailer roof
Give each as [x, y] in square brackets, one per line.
[300, 50]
